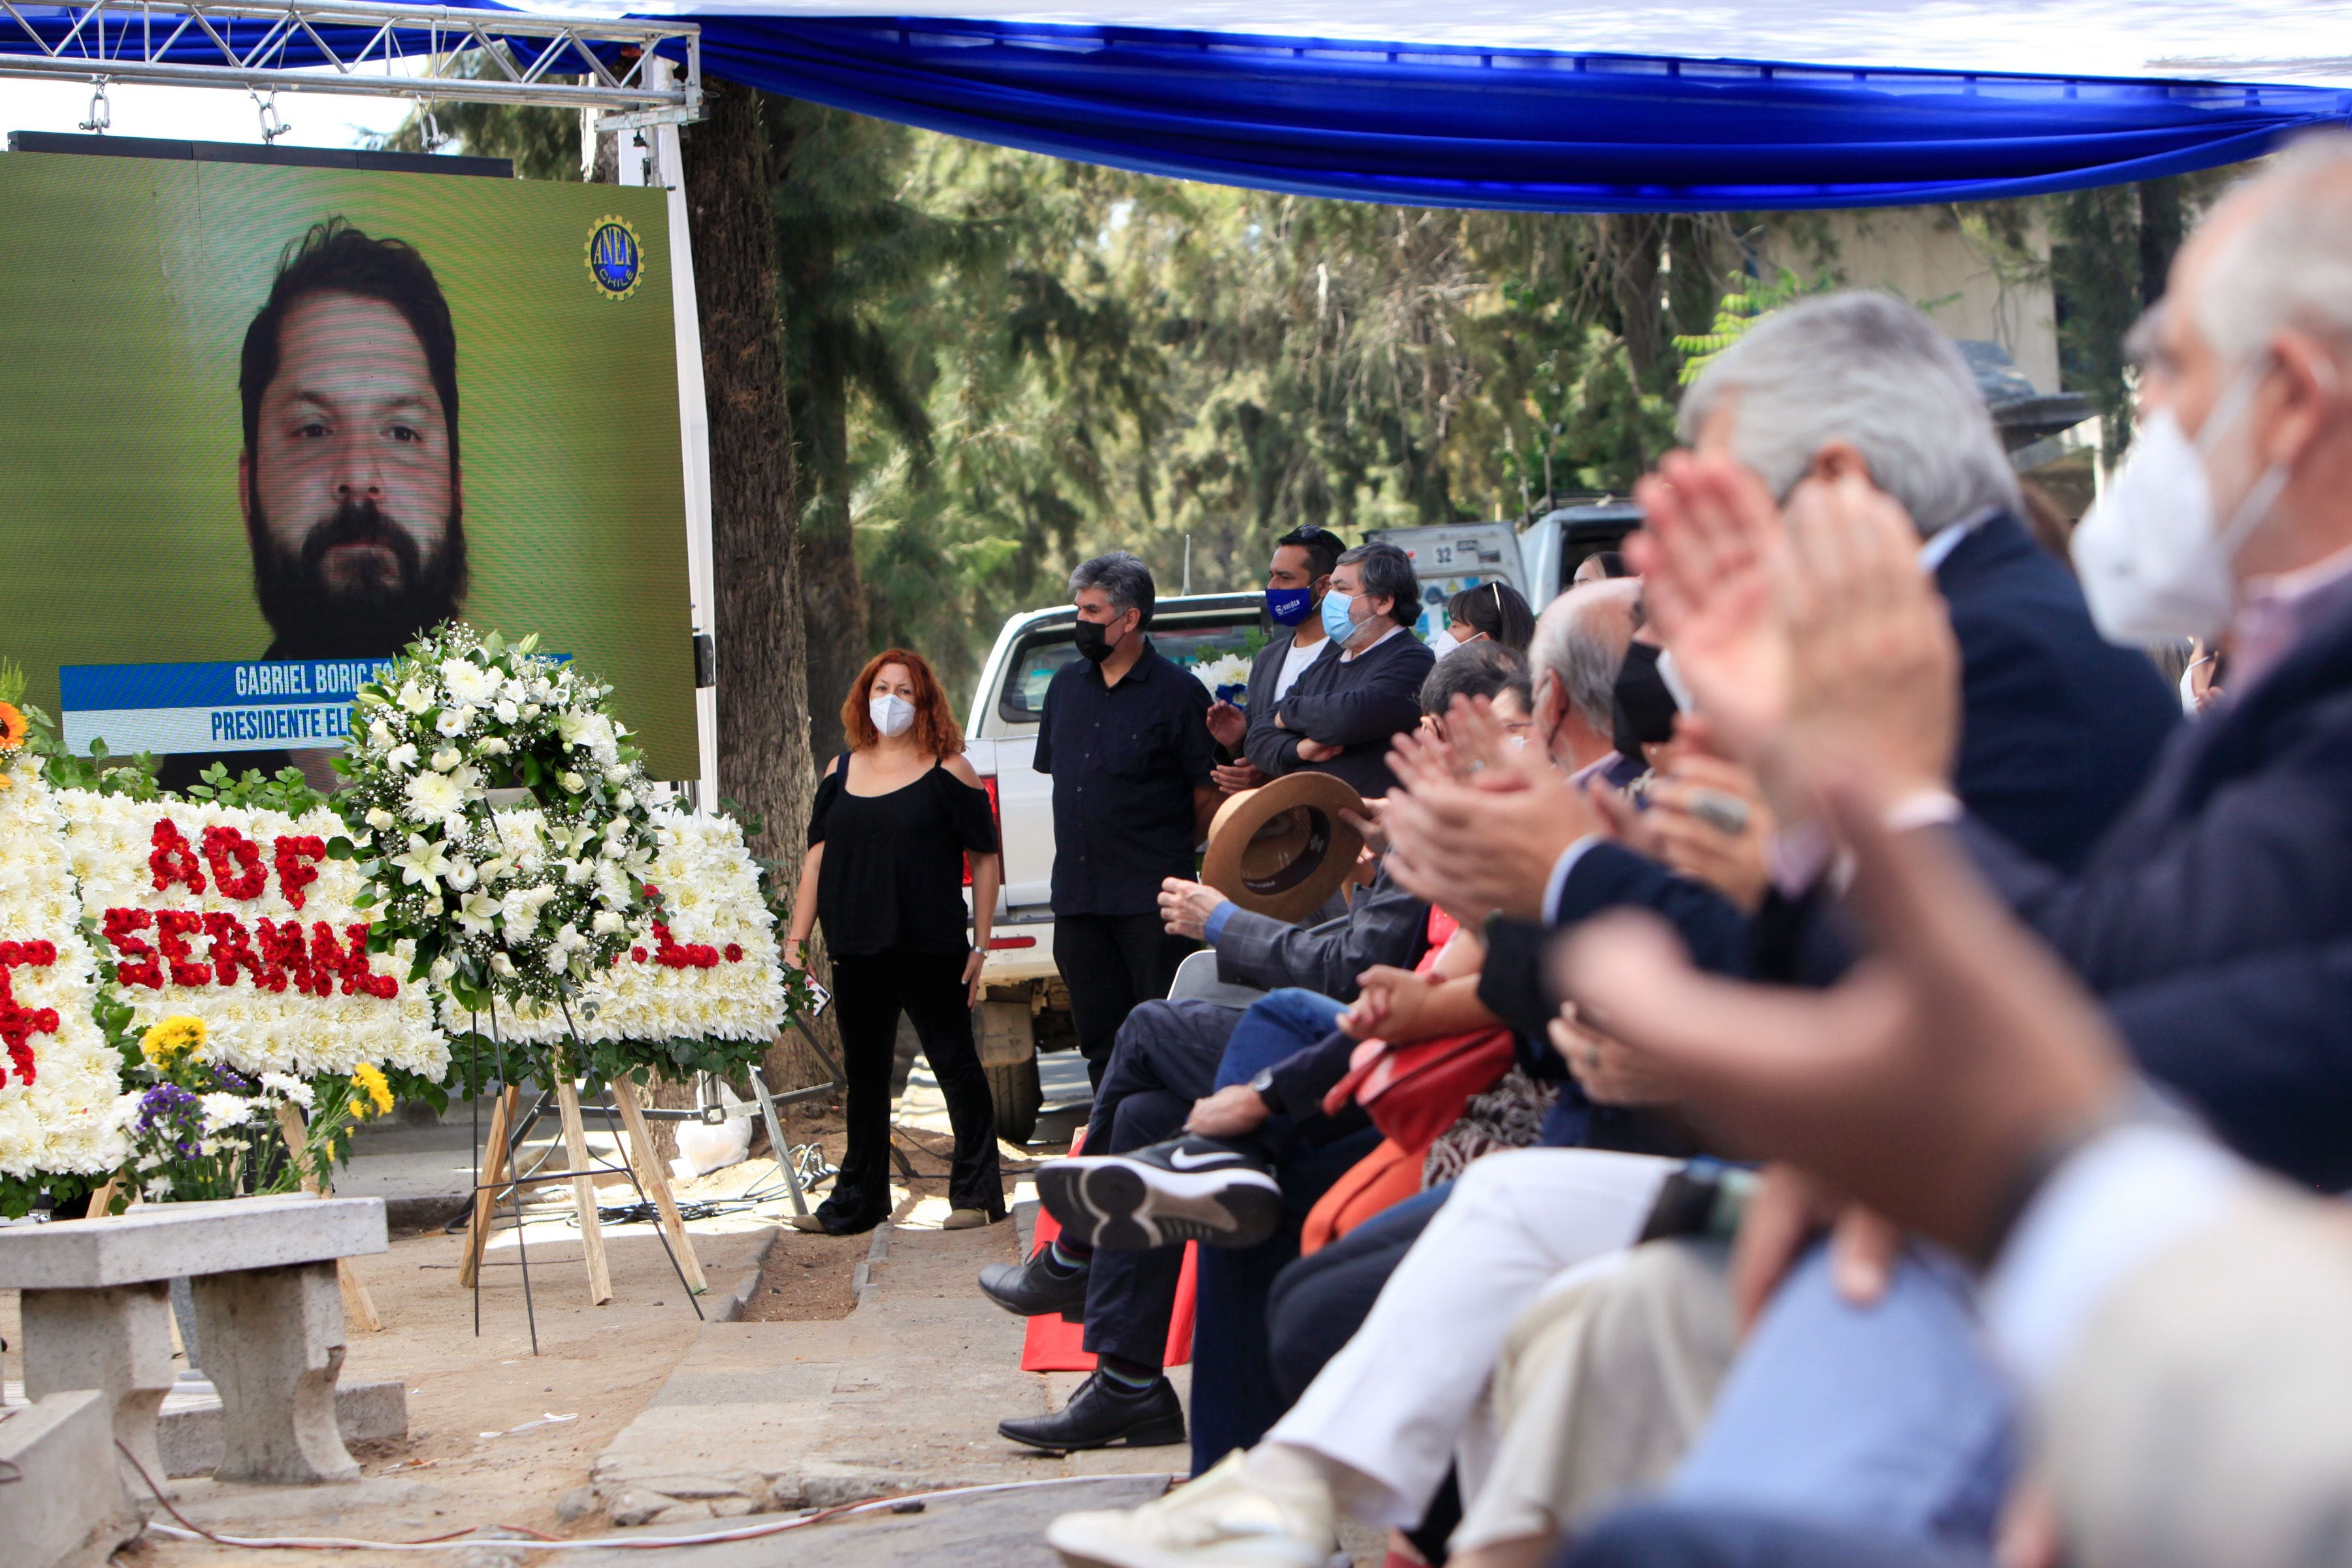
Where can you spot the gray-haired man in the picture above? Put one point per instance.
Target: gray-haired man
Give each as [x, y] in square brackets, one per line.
[1125, 736]
[1365, 691]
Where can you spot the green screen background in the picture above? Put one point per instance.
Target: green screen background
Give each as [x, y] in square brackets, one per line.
[124, 299]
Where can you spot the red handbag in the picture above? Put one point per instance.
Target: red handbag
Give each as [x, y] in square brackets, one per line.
[1414, 1093]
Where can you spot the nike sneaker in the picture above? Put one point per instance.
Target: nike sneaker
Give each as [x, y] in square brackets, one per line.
[1188, 1189]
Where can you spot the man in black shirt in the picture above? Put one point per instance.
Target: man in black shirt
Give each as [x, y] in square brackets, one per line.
[1125, 736]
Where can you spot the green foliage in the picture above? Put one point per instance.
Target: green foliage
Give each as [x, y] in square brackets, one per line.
[101, 772]
[287, 790]
[1748, 301]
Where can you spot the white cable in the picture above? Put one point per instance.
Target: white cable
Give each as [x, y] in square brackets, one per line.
[639, 1543]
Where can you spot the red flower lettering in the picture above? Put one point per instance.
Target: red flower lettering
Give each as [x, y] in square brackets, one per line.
[297, 864]
[172, 930]
[171, 860]
[236, 862]
[138, 965]
[19, 1024]
[349, 963]
[232, 950]
[284, 953]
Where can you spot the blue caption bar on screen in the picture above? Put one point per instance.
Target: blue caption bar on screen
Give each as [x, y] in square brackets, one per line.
[250, 705]
[253, 705]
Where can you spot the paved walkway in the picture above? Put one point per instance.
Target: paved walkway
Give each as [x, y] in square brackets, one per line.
[903, 1394]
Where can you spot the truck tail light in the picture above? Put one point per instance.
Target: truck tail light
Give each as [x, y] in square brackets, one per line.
[997, 943]
[995, 815]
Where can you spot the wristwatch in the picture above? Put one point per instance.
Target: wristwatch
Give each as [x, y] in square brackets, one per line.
[1262, 1086]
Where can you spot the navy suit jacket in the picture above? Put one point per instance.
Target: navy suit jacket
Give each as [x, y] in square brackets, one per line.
[2058, 728]
[2216, 917]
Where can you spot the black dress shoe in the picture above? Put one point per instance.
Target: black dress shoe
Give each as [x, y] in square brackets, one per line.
[1102, 1412]
[1187, 1189]
[1034, 1288]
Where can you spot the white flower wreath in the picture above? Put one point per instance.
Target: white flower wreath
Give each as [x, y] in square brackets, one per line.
[518, 908]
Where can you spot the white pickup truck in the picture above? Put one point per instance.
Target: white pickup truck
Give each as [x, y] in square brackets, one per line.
[1025, 1008]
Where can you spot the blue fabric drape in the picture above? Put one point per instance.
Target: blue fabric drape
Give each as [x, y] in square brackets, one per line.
[1451, 126]
[1459, 127]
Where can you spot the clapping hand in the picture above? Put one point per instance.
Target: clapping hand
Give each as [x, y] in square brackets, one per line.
[1714, 564]
[1474, 823]
[1798, 628]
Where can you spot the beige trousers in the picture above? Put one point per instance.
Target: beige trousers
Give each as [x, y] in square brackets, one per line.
[1603, 1383]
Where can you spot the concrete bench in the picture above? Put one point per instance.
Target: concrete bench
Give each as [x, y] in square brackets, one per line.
[97, 1314]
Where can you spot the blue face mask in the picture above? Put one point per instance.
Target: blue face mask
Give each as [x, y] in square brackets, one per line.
[1336, 619]
[1288, 607]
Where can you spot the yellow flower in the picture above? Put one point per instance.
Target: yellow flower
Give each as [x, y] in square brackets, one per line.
[370, 1077]
[173, 1038]
[12, 727]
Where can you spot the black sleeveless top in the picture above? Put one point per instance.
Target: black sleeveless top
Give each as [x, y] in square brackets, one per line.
[893, 874]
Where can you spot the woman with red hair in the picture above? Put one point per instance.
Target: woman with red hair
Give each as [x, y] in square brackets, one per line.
[897, 816]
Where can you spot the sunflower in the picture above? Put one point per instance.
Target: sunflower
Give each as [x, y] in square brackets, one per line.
[175, 1036]
[12, 727]
[370, 1077]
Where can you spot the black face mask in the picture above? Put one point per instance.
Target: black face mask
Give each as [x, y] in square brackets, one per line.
[1094, 642]
[1645, 706]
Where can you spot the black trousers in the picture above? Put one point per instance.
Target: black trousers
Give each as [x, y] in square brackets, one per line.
[1167, 1058]
[1110, 963]
[871, 992]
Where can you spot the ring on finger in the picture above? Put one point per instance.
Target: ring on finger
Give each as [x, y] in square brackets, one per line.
[1720, 810]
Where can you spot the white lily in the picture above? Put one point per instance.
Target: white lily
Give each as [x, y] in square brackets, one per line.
[424, 866]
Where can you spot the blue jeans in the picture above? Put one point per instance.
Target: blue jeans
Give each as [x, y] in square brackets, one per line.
[1890, 1418]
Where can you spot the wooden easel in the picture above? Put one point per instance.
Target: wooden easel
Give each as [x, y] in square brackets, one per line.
[357, 1308]
[652, 1181]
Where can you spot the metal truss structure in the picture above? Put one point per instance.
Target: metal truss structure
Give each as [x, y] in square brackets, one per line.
[634, 73]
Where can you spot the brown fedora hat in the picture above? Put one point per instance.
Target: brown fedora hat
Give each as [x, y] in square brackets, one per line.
[1282, 849]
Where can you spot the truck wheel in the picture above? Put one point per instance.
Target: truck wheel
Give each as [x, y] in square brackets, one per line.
[1017, 1094]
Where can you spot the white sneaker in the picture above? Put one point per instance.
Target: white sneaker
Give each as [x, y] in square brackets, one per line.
[1228, 1517]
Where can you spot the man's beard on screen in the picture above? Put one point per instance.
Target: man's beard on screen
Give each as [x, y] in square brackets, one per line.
[378, 613]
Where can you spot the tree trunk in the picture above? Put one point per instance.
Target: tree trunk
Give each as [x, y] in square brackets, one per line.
[2163, 224]
[1635, 242]
[763, 741]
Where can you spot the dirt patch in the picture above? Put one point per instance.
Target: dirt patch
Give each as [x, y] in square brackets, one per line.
[808, 1277]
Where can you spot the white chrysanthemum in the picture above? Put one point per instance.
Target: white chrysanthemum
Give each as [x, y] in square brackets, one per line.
[432, 795]
[469, 683]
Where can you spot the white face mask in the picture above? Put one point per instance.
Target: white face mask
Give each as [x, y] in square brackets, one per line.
[1443, 642]
[894, 715]
[2154, 561]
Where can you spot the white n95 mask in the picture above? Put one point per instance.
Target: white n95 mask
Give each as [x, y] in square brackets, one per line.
[2153, 560]
[894, 716]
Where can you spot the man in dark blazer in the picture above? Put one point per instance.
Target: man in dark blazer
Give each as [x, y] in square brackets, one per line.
[1295, 581]
[2212, 918]
[1365, 688]
[2058, 728]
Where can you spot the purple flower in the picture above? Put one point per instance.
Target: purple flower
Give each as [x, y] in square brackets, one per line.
[171, 1113]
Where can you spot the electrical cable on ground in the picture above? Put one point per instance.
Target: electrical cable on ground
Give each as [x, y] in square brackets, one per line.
[533, 1541]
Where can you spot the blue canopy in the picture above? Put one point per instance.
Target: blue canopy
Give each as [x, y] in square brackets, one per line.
[1426, 118]
[1453, 125]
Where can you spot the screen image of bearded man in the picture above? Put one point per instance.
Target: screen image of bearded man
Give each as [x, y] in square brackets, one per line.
[350, 480]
